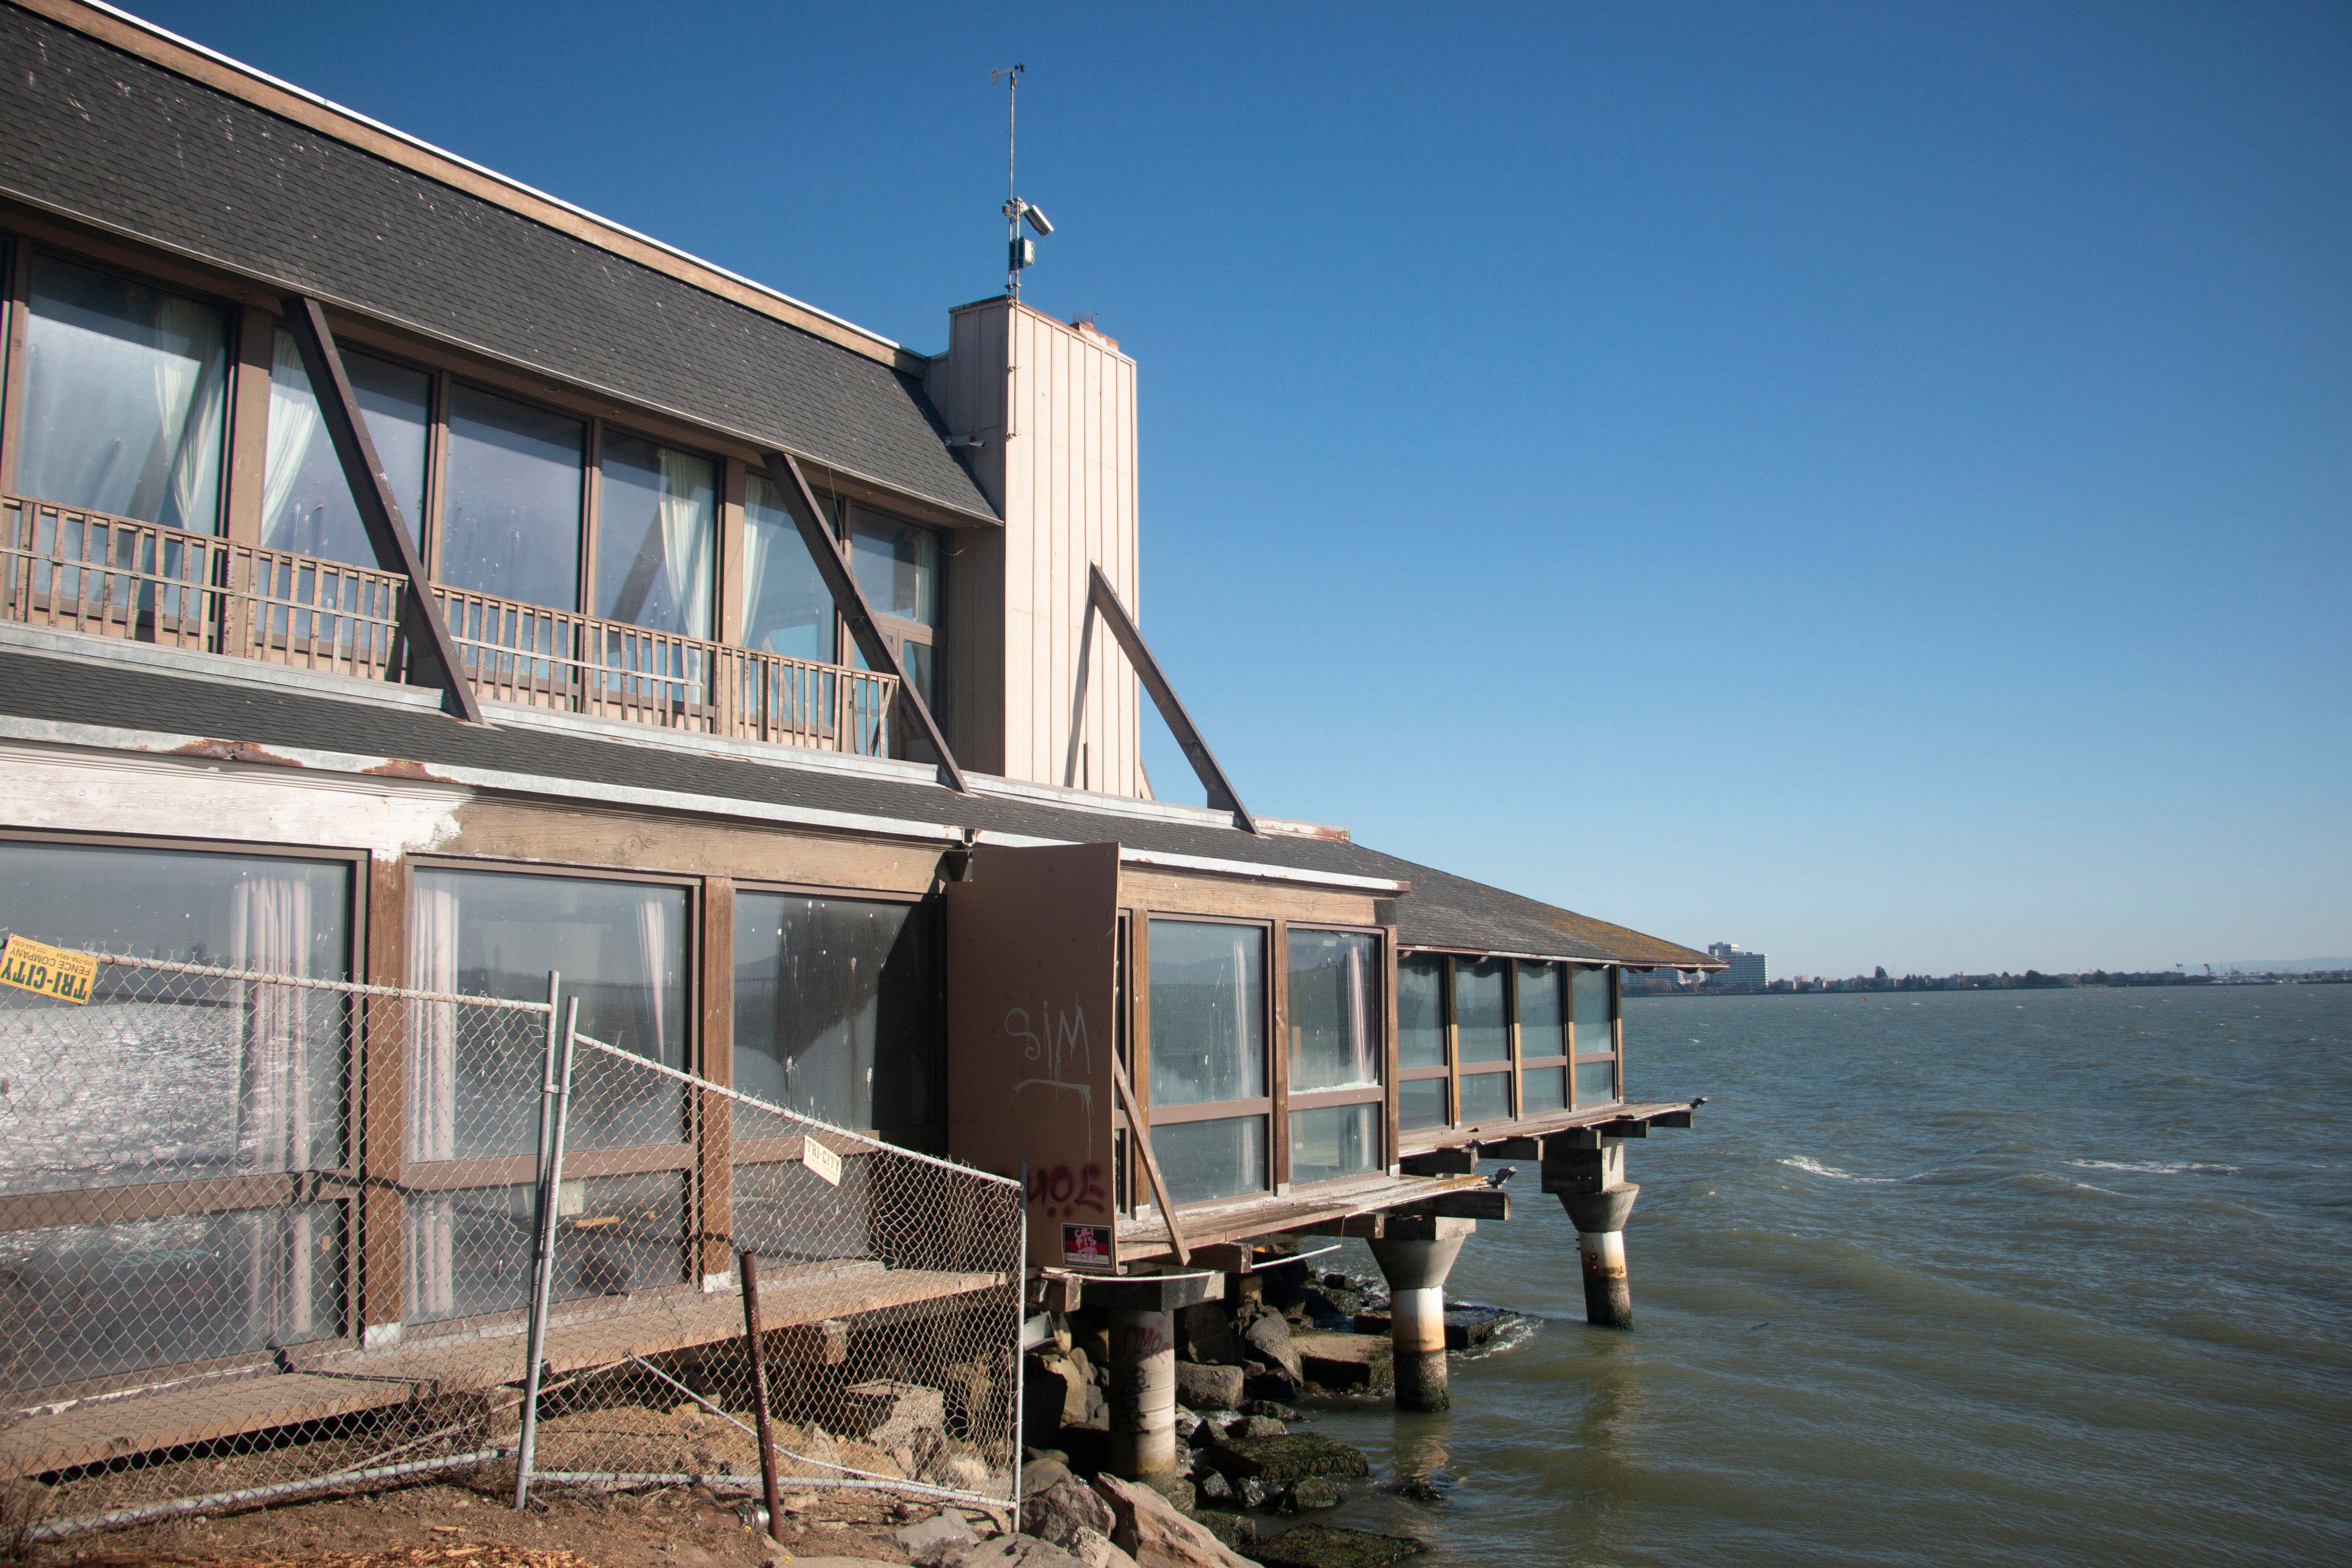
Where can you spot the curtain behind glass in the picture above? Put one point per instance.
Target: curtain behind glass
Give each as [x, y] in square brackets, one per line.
[512, 511]
[836, 1009]
[1543, 1011]
[657, 538]
[787, 607]
[1421, 1010]
[306, 504]
[1208, 1011]
[126, 393]
[1330, 1010]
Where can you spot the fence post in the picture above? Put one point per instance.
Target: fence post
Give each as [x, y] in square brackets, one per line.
[747, 1266]
[555, 1107]
[1020, 1334]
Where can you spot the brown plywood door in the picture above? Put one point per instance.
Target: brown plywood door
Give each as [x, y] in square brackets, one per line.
[1032, 943]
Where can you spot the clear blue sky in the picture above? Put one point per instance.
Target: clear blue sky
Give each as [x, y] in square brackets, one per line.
[1869, 482]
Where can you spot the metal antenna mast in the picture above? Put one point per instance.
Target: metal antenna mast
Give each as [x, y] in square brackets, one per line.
[1019, 251]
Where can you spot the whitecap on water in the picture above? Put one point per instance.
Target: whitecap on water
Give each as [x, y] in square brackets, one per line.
[1806, 1162]
[2155, 1167]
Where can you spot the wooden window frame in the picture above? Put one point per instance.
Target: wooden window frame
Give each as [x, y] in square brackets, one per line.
[1614, 979]
[1508, 1067]
[1380, 1091]
[1400, 1075]
[1522, 1062]
[341, 1184]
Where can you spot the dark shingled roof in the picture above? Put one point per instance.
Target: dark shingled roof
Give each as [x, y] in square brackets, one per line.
[93, 133]
[1442, 910]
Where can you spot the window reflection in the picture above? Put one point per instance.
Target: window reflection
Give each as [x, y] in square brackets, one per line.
[656, 536]
[1481, 1013]
[1543, 1012]
[898, 566]
[836, 1009]
[126, 391]
[1208, 1011]
[1333, 1141]
[1331, 1010]
[513, 506]
[1201, 1160]
[787, 607]
[1593, 1034]
[1421, 1010]
[306, 504]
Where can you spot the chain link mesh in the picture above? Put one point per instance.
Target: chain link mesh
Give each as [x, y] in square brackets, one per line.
[263, 1235]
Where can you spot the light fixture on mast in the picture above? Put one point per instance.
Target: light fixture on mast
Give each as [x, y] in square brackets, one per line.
[1020, 250]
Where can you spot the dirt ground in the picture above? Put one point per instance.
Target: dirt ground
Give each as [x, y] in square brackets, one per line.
[454, 1526]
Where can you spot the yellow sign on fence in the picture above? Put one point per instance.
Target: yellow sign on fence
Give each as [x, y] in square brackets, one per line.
[46, 971]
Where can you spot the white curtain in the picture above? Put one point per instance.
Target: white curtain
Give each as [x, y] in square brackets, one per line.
[271, 918]
[686, 499]
[1241, 1020]
[759, 540]
[432, 1094]
[1359, 1035]
[652, 937]
[293, 422]
[189, 367]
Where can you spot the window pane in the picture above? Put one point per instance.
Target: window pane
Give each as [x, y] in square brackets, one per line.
[306, 506]
[898, 566]
[223, 1078]
[513, 505]
[90, 1301]
[1486, 1097]
[1208, 1012]
[1596, 1083]
[615, 1235]
[1331, 1010]
[126, 393]
[1420, 1103]
[1421, 1010]
[657, 537]
[1543, 1088]
[1212, 1159]
[1481, 1023]
[836, 1009]
[1543, 1012]
[786, 608]
[1333, 1141]
[621, 947]
[1594, 1034]
[920, 660]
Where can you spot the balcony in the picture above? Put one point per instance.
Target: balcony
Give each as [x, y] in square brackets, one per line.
[68, 569]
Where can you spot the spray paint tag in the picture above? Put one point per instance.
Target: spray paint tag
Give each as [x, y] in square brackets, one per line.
[46, 971]
[822, 1162]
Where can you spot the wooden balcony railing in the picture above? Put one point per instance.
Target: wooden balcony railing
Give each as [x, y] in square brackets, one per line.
[70, 569]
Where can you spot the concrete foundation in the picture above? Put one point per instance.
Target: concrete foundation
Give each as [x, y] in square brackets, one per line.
[1416, 1255]
[1142, 1394]
[1587, 1173]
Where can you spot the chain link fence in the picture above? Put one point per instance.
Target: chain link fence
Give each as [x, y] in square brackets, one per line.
[263, 1235]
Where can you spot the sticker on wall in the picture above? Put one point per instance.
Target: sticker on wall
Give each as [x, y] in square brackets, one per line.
[1086, 1244]
[46, 971]
[822, 1162]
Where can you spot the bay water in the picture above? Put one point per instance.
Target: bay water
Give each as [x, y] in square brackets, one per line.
[1993, 1277]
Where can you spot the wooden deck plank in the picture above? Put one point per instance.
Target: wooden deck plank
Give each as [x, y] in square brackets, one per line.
[346, 1382]
[1422, 1142]
[1264, 1215]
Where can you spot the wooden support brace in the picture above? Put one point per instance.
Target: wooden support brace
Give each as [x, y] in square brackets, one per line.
[1139, 1124]
[1512, 1149]
[1221, 792]
[815, 1344]
[1363, 1226]
[1462, 1161]
[1232, 1257]
[1488, 1203]
[432, 655]
[1053, 1290]
[850, 600]
[1631, 1127]
[1671, 1118]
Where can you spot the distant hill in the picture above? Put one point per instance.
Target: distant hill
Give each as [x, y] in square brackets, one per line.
[2278, 965]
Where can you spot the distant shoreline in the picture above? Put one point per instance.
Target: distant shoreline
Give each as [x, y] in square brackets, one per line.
[2216, 983]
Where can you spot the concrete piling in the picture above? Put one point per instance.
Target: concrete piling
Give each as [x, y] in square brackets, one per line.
[1142, 1393]
[1416, 1255]
[1587, 1173]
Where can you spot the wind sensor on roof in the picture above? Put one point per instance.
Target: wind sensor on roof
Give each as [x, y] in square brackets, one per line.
[1020, 250]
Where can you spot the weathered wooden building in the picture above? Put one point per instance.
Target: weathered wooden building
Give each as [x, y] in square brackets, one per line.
[411, 577]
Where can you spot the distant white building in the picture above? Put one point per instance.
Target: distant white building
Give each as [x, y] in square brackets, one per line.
[1740, 966]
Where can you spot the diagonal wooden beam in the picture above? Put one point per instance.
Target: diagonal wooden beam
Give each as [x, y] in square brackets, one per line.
[432, 655]
[1222, 796]
[850, 600]
[1140, 1125]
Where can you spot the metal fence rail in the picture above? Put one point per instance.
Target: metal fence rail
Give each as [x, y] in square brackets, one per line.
[240, 1263]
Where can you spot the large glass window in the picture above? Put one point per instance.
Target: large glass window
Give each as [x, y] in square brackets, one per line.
[1486, 1097]
[1482, 1017]
[1543, 1013]
[1208, 1047]
[1332, 1010]
[126, 394]
[1596, 1041]
[173, 1078]
[306, 506]
[1420, 1103]
[512, 511]
[1421, 1010]
[836, 1009]
[896, 564]
[787, 607]
[199, 1078]
[1333, 1140]
[1208, 1011]
[656, 536]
